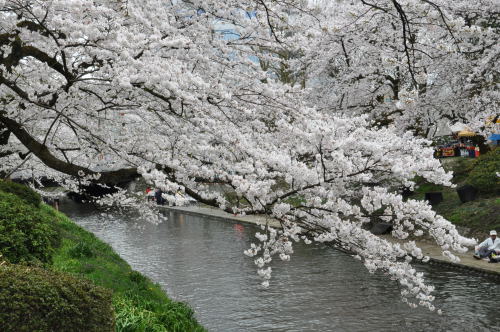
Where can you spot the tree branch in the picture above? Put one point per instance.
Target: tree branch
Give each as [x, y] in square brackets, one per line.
[44, 154]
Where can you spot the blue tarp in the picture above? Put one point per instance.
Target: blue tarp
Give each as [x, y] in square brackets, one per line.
[494, 137]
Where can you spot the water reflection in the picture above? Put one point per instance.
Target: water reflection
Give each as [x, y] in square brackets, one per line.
[201, 261]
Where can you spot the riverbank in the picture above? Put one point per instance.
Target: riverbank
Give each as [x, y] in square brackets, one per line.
[61, 262]
[477, 217]
[140, 304]
[467, 262]
[199, 260]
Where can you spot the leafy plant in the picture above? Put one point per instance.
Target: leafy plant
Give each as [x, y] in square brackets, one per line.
[135, 313]
[137, 277]
[23, 192]
[81, 249]
[35, 299]
[26, 233]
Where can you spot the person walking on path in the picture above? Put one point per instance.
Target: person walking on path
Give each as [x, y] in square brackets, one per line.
[488, 247]
[150, 194]
[159, 198]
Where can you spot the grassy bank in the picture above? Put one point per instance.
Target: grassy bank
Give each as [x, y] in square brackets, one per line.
[480, 215]
[138, 303]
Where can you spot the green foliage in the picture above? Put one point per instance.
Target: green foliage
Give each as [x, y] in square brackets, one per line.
[459, 166]
[26, 233]
[480, 215]
[35, 299]
[140, 305]
[483, 174]
[422, 186]
[137, 277]
[81, 249]
[136, 313]
[21, 191]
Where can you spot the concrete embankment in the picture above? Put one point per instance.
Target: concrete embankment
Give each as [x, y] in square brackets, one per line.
[467, 262]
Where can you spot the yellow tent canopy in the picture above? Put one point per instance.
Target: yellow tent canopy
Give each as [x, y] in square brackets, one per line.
[466, 133]
[490, 119]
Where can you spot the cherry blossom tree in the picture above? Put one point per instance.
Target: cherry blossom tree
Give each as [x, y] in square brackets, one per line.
[171, 91]
[413, 64]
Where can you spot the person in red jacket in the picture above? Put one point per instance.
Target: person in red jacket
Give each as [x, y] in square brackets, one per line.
[150, 195]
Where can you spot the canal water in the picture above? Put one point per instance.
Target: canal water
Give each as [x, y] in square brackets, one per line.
[200, 260]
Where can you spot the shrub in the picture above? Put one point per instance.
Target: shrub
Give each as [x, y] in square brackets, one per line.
[21, 191]
[483, 174]
[26, 232]
[34, 299]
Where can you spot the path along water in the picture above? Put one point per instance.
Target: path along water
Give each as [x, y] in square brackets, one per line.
[200, 260]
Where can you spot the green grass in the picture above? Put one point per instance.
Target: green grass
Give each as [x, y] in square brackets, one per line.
[425, 187]
[480, 215]
[140, 305]
[460, 167]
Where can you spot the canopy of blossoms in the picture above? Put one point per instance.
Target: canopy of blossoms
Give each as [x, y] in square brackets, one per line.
[324, 103]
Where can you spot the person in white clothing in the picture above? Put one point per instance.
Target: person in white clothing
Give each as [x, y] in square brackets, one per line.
[488, 247]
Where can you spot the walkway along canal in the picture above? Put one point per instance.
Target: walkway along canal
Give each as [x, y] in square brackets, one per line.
[200, 260]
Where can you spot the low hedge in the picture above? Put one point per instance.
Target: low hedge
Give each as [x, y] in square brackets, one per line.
[35, 299]
[23, 192]
[26, 233]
